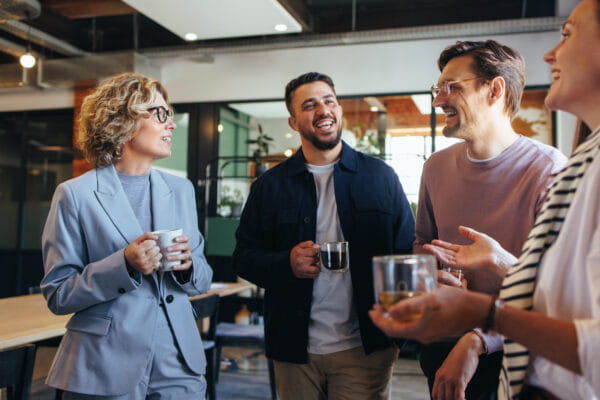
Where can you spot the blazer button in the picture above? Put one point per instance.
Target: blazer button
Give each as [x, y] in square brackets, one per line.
[121, 290]
[306, 220]
[169, 298]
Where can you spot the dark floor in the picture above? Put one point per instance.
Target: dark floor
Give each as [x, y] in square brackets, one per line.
[248, 379]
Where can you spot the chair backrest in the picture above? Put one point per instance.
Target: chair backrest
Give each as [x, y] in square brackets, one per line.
[16, 370]
[207, 307]
[34, 290]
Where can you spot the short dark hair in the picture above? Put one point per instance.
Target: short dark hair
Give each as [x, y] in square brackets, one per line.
[492, 59]
[308, 77]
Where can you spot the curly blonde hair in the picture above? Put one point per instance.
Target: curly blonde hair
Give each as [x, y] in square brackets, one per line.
[112, 114]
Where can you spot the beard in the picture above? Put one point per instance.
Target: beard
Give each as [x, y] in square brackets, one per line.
[323, 145]
[450, 132]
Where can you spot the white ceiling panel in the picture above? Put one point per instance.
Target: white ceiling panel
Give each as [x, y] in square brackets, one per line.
[266, 109]
[214, 19]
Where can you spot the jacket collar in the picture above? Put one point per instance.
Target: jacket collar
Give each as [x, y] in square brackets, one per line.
[115, 203]
[348, 160]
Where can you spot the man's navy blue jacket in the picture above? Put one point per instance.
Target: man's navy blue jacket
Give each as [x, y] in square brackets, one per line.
[281, 212]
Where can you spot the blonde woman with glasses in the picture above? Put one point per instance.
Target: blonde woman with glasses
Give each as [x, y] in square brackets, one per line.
[133, 333]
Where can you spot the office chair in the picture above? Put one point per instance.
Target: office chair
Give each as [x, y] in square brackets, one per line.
[16, 370]
[208, 307]
[239, 335]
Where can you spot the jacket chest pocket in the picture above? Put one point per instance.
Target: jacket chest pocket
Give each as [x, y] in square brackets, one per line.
[372, 204]
[373, 218]
[274, 218]
[282, 227]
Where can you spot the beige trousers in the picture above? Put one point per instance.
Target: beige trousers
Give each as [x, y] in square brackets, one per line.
[345, 375]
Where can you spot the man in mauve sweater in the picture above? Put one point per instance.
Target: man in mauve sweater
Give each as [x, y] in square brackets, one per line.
[494, 182]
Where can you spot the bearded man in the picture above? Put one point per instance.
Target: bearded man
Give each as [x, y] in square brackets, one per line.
[317, 329]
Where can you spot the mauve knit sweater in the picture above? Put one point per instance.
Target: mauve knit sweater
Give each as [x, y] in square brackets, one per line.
[499, 197]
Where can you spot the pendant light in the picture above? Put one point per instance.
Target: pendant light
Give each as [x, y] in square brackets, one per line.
[27, 60]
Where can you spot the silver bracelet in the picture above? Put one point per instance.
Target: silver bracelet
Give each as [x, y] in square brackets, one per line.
[479, 334]
[490, 321]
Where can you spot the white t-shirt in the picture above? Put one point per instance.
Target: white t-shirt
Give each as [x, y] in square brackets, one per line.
[568, 288]
[333, 323]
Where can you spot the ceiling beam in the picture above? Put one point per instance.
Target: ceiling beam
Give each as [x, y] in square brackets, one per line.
[299, 11]
[11, 48]
[400, 14]
[501, 27]
[75, 9]
[40, 38]
[61, 27]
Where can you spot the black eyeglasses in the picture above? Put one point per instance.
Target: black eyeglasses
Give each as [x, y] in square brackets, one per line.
[162, 113]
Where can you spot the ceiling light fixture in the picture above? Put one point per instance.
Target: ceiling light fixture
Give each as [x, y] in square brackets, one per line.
[423, 102]
[27, 60]
[374, 109]
[191, 36]
[281, 27]
[288, 153]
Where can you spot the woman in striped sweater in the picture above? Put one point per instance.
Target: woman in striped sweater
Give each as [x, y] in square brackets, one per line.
[548, 309]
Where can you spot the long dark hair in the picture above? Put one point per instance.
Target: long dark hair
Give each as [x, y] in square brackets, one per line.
[582, 132]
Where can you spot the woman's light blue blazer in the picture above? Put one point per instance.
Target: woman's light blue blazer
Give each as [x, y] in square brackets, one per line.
[108, 343]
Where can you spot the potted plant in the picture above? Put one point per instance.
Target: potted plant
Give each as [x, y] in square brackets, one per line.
[369, 144]
[231, 202]
[261, 151]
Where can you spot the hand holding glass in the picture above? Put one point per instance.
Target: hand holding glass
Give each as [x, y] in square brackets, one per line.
[399, 277]
[457, 272]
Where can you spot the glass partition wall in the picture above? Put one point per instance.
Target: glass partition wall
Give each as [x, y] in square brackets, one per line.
[403, 130]
[397, 129]
[36, 154]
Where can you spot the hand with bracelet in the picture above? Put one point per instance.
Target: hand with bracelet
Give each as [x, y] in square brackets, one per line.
[457, 370]
[449, 311]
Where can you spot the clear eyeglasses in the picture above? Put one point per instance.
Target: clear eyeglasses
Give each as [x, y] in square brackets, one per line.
[446, 86]
[162, 113]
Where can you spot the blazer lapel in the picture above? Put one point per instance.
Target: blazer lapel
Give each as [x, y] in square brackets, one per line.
[115, 203]
[163, 203]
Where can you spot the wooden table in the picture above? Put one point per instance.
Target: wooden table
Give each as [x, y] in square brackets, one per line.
[226, 289]
[27, 319]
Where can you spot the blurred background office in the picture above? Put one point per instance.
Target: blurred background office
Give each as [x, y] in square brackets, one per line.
[225, 64]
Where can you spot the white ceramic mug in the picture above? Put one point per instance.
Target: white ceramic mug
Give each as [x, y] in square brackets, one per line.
[166, 238]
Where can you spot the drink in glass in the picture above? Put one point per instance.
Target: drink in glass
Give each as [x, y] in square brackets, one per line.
[399, 277]
[334, 256]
